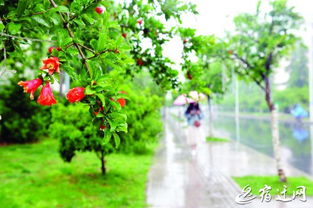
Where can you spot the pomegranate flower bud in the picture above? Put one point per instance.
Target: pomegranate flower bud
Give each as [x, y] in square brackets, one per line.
[122, 101]
[52, 64]
[139, 21]
[53, 48]
[76, 94]
[102, 127]
[100, 9]
[30, 86]
[140, 62]
[46, 96]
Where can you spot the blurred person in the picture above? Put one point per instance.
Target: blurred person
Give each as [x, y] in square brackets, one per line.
[298, 112]
[193, 114]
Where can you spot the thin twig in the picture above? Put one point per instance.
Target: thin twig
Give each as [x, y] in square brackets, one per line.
[25, 38]
[85, 47]
[69, 45]
[242, 60]
[37, 13]
[102, 52]
[71, 34]
[30, 15]
[249, 66]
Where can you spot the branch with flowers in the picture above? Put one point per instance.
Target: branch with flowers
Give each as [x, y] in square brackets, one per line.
[97, 90]
[99, 45]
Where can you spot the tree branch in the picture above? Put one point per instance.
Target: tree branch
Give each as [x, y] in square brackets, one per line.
[85, 47]
[257, 82]
[249, 66]
[102, 52]
[269, 62]
[33, 14]
[24, 38]
[71, 34]
[243, 60]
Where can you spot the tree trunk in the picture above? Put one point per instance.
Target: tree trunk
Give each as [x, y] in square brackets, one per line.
[275, 131]
[210, 117]
[103, 168]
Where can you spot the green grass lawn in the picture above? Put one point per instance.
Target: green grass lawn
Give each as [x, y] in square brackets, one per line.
[34, 176]
[215, 139]
[258, 182]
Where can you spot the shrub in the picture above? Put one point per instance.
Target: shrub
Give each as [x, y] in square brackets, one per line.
[22, 121]
[71, 125]
[144, 120]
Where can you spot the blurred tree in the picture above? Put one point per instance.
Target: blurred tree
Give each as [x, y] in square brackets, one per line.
[206, 74]
[298, 67]
[261, 41]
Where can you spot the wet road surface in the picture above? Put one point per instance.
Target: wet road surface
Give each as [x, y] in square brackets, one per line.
[190, 173]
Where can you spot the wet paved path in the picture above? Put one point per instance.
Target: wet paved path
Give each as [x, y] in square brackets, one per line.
[190, 173]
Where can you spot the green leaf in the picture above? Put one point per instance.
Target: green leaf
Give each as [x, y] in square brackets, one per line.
[103, 82]
[101, 41]
[80, 23]
[1, 26]
[106, 137]
[88, 19]
[118, 117]
[102, 98]
[55, 19]
[93, 44]
[117, 140]
[14, 28]
[115, 104]
[61, 9]
[41, 21]
[113, 125]
[122, 127]
[21, 6]
[100, 115]
[89, 91]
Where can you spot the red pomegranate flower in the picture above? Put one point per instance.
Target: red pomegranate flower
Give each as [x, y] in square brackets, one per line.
[76, 94]
[30, 86]
[102, 127]
[124, 35]
[100, 9]
[46, 96]
[52, 64]
[139, 21]
[53, 48]
[121, 101]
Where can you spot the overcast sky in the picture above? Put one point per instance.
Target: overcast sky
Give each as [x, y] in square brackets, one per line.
[215, 16]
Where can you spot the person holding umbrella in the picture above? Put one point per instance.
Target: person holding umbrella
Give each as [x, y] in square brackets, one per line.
[193, 114]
